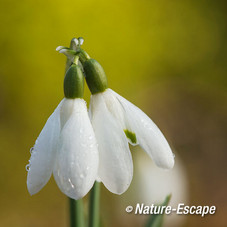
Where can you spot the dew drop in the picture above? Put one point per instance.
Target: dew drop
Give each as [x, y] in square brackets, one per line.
[81, 175]
[90, 137]
[27, 167]
[31, 150]
[71, 183]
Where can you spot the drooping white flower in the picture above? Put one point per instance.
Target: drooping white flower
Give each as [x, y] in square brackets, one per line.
[66, 145]
[116, 122]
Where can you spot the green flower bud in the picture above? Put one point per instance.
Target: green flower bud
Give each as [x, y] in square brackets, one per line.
[95, 76]
[74, 82]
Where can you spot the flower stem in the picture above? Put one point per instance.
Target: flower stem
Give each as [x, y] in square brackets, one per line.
[68, 61]
[83, 56]
[76, 213]
[94, 205]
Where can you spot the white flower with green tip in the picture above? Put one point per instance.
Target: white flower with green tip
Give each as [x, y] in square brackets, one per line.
[66, 146]
[79, 148]
[116, 122]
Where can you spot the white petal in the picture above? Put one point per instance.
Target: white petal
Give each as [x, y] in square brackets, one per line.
[147, 133]
[76, 164]
[115, 161]
[43, 154]
[66, 111]
[117, 109]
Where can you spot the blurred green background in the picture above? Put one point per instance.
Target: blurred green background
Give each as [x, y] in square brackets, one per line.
[167, 57]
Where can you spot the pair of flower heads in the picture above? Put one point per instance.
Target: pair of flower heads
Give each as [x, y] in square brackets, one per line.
[81, 146]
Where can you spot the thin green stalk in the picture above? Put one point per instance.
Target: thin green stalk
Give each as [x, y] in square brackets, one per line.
[94, 206]
[68, 61]
[76, 213]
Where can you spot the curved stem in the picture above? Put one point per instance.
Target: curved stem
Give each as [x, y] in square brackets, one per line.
[76, 60]
[83, 56]
[94, 205]
[76, 213]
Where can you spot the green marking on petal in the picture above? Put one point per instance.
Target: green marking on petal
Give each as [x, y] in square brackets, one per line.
[130, 135]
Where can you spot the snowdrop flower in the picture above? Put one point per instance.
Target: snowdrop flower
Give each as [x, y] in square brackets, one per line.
[116, 122]
[66, 145]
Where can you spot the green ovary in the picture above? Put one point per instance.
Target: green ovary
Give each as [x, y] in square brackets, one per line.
[131, 135]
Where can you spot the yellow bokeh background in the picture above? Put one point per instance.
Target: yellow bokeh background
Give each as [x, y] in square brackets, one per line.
[167, 57]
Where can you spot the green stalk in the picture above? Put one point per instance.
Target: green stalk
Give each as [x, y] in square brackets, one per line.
[76, 213]
[68, 61]
[94, 206]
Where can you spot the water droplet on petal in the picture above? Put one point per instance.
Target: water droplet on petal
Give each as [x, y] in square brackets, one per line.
[27, 167]
[31, 150]
[81, 175]
[90, 137]
[71, 183]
